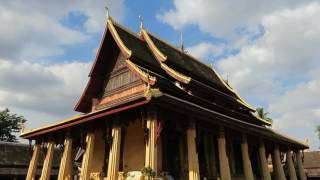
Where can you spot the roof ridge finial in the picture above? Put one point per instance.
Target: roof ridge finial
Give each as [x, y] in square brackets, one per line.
[107, 10]
[227, 80]
[181, 41]
[141, 22]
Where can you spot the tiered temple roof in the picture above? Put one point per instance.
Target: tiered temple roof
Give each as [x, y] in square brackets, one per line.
[173, 77]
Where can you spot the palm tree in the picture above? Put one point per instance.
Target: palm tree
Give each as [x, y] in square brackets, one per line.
[263, 115]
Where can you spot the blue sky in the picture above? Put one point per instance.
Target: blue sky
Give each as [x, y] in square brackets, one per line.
[268, 50]
[84, 51]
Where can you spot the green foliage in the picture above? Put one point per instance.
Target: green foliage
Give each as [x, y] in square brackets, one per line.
[147, 172]
[9, 124]
[263, 115]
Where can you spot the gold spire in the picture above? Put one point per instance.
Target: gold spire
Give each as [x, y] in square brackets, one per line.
[181, 41]
[141, 22]
[107, 10]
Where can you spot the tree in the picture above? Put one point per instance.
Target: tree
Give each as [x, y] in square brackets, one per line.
[263, 115]
[10, 124]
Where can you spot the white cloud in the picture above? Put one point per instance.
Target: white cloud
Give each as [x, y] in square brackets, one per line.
[297, 112]
[34, 30]
[222, 17]
[287, 53]
[279, 69]
[206, 49]
[50, 90]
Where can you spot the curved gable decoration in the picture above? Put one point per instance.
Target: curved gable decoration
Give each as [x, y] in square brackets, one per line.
[176, 75]
[85, 97]
[156, 52]
[143, 75]
[161, 58]
[124, 50]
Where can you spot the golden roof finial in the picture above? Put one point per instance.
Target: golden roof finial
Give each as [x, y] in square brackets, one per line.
[107, 10]
[141, 22]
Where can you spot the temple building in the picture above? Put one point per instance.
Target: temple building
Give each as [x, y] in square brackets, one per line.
[152, 111]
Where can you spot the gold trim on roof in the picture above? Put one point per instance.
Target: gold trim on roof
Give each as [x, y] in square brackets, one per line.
[289, 138]
[240, 100]
[51, 125]
[263, 120]
[156, 52]
[161, 58]
[143, 75]
[125, 51]
[180, 77]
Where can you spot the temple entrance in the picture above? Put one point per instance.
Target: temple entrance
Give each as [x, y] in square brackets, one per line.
[174, 152]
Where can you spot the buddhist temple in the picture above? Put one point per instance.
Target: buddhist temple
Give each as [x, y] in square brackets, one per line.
[152, 111]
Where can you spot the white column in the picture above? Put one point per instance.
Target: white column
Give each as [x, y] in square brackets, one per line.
[291, 169]
[277, 165]
[223, 158]
[302, 174]
[248, 174]
[263, 162]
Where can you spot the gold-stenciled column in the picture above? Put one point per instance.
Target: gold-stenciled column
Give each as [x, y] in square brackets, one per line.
[263, 162]
[33, 162]
[194, 173]
[302, 174]
[247, 168]
[223, 159]
[87, 157]
[277, 165]
[151, 146]
[47, 164]
[66, 164]
[114, 155]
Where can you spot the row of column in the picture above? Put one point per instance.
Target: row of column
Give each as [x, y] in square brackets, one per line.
[66, 165]
[247, 167]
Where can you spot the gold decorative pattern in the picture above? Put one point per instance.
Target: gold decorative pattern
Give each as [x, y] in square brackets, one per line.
[125, 93]
[51, 125]
[156, 52]
[152, 92]
[180, 77]
[95, 175]
[144, 76]
[124, 50]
